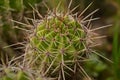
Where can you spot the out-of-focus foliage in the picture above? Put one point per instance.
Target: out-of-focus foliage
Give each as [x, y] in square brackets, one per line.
[99, 66]
[116, 46]
[55, 3]
[116, 51]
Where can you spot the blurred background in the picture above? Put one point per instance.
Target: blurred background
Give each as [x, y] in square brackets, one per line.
[11, 36]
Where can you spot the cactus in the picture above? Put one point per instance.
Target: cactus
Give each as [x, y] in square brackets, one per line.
[59, 43]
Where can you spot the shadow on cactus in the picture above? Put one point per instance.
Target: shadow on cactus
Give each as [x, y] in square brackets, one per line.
[60, 43]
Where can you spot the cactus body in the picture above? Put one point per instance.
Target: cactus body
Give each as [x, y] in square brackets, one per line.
[57, 46]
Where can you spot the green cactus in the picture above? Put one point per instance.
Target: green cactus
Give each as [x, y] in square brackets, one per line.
[59, 39]
[56, 47]
[17, 5]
